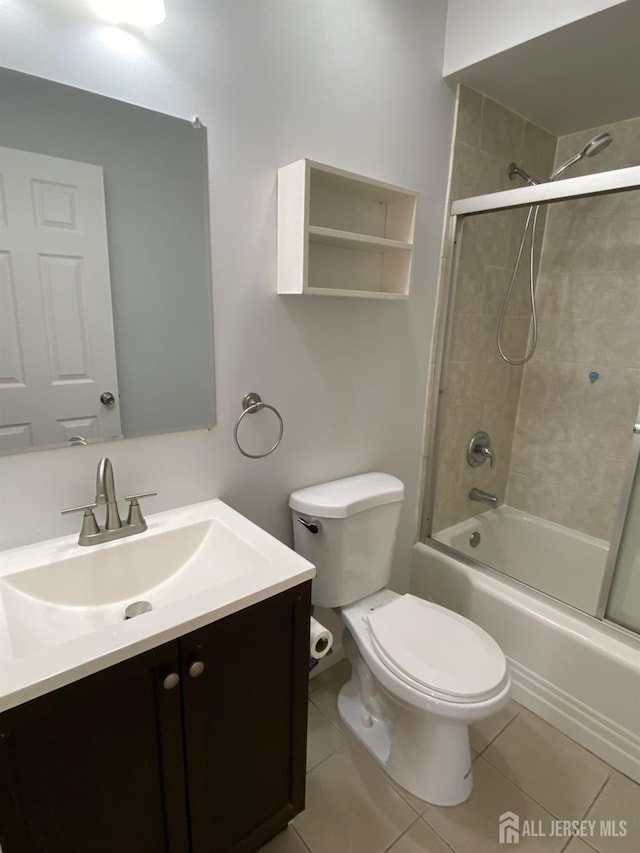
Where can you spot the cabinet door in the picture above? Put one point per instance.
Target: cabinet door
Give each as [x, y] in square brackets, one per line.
[97, 765]
[245, 722]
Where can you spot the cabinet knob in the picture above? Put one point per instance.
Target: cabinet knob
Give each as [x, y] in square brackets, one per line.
[171, 681]
[196, 668]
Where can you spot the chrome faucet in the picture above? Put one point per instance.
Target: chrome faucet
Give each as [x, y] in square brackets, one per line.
[483, 497]
[91, 533]
[106, 494]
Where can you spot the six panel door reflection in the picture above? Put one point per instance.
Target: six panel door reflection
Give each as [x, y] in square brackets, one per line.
[57, 350]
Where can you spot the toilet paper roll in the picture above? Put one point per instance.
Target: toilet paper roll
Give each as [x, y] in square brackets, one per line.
[320, 640]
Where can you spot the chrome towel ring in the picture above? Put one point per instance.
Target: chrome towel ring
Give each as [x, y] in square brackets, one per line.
[252, 403]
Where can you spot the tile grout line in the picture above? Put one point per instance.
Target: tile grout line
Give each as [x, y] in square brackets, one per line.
[321, 712]
[522, 790]
[495, 737]
[586, 749]
[353, 741]
[333, 751]
[586, 843]
[302, 841]
[317, 764]
[402, 834]
[322, 761]
[600, 790]
[576, 742]
[567, 843]
[435, 831]
[428, 825]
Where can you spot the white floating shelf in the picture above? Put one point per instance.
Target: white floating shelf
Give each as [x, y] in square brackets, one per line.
[349, 240]
[341, 234]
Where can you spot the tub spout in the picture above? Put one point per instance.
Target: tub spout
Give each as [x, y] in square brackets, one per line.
[483, 497]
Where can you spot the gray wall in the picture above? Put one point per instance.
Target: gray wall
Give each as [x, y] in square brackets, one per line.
[356, 84]
[155, 175]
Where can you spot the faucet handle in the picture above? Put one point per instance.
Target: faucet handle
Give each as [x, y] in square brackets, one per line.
[488, 453]
[135, 513]
[141, 495]
[89, 523]
[479, 450]
[86, 508]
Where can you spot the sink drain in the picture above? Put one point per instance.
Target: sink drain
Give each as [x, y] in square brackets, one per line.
[475, 538]
[137, 608]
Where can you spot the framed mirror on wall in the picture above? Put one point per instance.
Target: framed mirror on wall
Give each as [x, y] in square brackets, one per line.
[106, 321]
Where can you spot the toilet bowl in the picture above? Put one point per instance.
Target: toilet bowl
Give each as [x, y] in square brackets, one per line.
[421, 674]
[411, 705]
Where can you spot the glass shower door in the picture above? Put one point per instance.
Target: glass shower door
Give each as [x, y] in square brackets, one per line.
[623, 605]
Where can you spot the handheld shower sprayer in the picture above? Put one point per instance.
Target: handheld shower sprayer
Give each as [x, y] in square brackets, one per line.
[593, 147]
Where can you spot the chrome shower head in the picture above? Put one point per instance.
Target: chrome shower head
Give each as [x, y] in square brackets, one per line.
[593, 147]
[596, 145]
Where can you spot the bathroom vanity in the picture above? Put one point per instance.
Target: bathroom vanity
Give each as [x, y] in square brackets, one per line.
[193, 739]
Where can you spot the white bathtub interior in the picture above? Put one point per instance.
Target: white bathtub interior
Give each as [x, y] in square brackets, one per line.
[561, 562]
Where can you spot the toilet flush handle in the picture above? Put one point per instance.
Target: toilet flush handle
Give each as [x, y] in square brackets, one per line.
[312, 526]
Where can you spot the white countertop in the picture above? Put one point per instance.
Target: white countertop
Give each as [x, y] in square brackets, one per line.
[266, 568]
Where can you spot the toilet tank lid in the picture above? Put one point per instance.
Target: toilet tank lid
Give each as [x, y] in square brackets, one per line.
[342, 498]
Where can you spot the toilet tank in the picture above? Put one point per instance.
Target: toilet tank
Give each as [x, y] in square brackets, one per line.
[352, 550]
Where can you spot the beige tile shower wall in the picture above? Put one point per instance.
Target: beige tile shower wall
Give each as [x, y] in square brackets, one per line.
[572, 436]
[480, 390]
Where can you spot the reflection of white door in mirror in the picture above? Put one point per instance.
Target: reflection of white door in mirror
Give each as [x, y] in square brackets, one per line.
[57, 352]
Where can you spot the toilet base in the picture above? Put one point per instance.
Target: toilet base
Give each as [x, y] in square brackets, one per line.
[427, 755]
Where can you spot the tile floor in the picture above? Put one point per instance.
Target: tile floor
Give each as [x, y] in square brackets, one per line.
[521, 764]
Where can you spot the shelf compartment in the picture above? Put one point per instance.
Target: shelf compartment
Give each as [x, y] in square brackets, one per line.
[360, 206]
[343, 234]
[357, 271]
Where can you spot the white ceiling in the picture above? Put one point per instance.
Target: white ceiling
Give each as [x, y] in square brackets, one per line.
[578, 76]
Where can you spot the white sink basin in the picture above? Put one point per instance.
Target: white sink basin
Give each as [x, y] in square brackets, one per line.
[62, 606]
[78, 594]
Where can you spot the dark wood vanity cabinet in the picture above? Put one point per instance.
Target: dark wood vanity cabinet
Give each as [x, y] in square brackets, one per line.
[122, 761]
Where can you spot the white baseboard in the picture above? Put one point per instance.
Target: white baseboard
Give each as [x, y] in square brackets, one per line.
[605, 738]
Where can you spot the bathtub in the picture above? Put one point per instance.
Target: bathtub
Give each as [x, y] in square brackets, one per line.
[578, 673]
[553, 559]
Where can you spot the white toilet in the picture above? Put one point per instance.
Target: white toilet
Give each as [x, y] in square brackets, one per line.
[420, 673]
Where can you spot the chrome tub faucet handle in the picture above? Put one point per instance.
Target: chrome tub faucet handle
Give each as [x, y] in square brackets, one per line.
[479, 450]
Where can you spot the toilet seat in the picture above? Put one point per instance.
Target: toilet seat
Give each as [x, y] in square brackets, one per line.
[436, 651]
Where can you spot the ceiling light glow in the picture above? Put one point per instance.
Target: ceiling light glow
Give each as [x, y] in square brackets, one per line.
[140, 13]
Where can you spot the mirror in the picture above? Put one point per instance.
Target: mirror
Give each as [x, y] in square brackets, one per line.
[106, 324]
